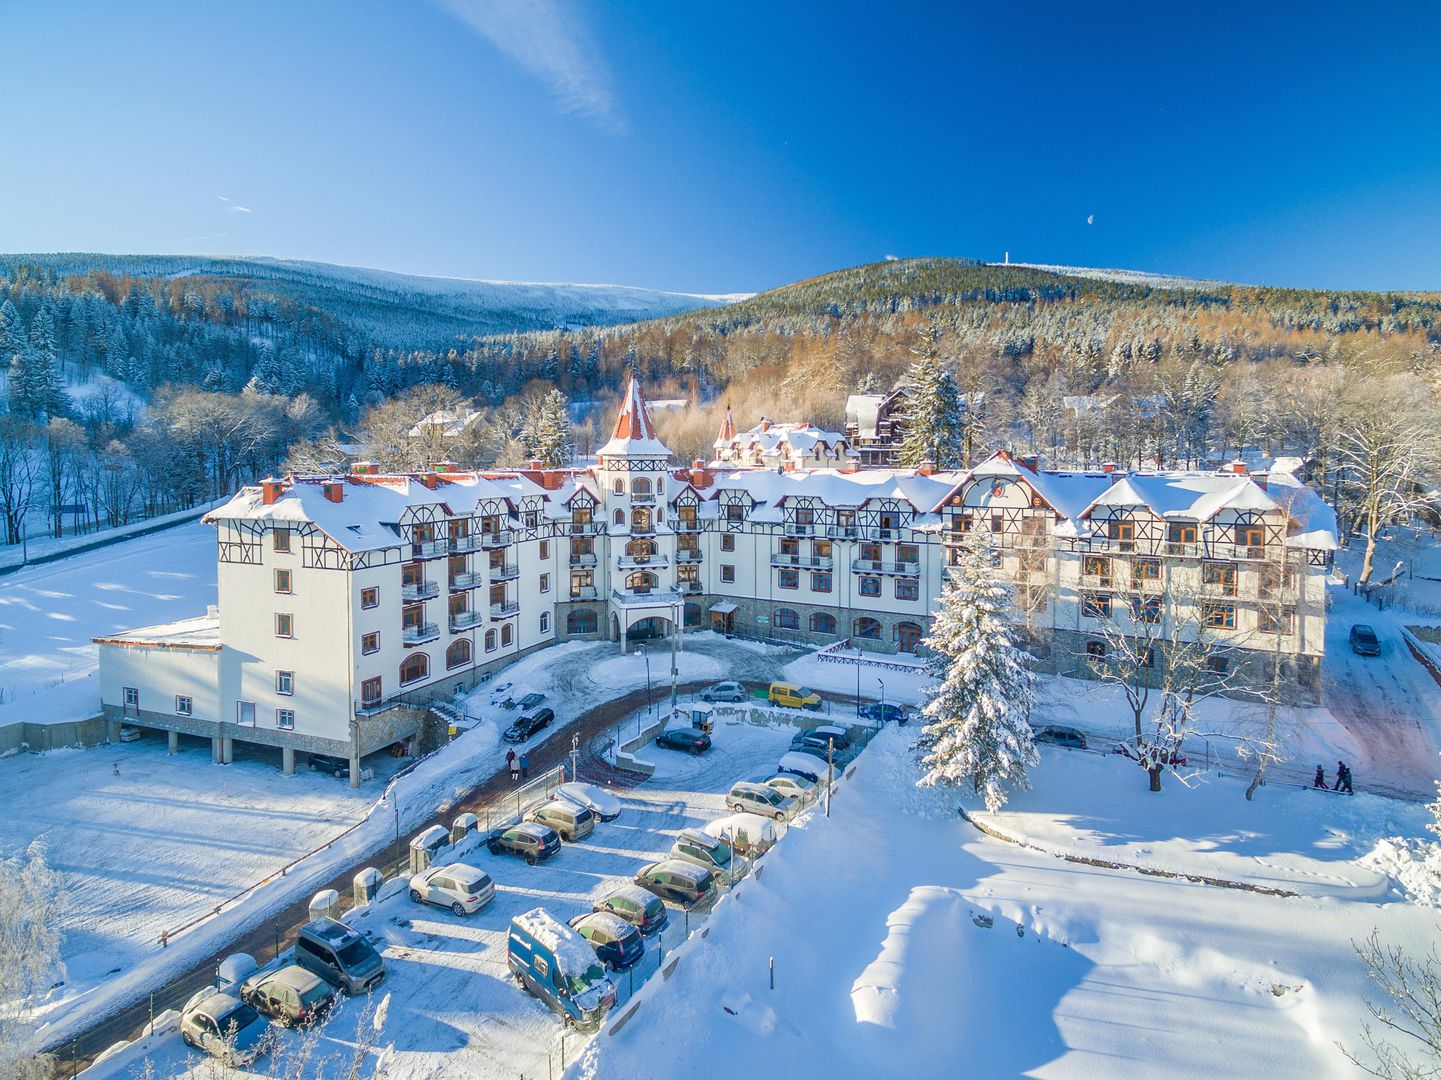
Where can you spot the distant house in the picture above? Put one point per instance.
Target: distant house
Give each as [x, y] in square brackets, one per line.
[783, 446]
[876, 426]
[446, 423]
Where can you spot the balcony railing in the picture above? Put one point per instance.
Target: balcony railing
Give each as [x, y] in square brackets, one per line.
[843, 532]
[685, 525]
[503, 571]
[582, 558]
[464, 620]
[800, 528]
[812, 562]
[1243, 551]
[1185, 548]
[643, 562]
[877, 566]
[416, 635]
[429, 549]
[466, 581]
[687, 555]
[420, 590]
[583, 592]
[646, 529]
[642, 497]
[884, 532]
[689, 588]
[584, 528]
[459, 545]
[504, 611]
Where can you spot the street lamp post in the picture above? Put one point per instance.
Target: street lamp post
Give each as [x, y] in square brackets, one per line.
[882, 684]
[858, 680]
[674, 669]
[646, 655]
[574, 758]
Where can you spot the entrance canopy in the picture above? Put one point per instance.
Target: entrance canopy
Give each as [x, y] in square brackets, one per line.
[725, 607]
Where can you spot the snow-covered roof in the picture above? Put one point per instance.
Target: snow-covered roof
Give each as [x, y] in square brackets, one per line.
[450, 421]
[634, 432]
[768, 438]
[863, 413]
[201, 632]
[834, 487]
[571, 951]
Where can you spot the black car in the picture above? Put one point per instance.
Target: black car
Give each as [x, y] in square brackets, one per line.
[883, 713]
[692, 739]
[334, 766]
[617, 943]
[1364, 641]
[532, 842]
[527, 726]
[1062, 736]
[821, 737]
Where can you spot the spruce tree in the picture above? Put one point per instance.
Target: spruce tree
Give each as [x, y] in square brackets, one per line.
[44, 387]
[933, 408]
[547, 432]
[977, 731]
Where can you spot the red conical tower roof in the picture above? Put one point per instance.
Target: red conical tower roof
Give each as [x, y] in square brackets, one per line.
[634, 431]
[727, 430]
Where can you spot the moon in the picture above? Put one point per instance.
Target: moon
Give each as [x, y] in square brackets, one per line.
[1090, 219]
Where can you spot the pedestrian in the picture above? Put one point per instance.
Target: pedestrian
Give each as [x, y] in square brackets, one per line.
[1320, 781]
[514, 769]
[1343, 778]
[510, 759]
[525, 766]
[117, 768]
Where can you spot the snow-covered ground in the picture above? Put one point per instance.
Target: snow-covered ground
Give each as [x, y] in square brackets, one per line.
[453, 1009]
[908, 944]
[50, 613]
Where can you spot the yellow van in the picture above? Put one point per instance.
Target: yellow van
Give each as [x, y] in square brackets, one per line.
[794, 697]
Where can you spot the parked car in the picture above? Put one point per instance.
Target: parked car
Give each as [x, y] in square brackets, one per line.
[533, 843]
[292, 995]
[709, 852]
[617, 943]
[529, 702]
[761, 799]
[818, 751]
[597, 800]
[883, 713]
[573, 821]
[334, 766]
[679, 882]
[643, 910]
[799, 788]
[463, 889]
[528, 725]
[691, 739]
[724, 691]
[824, 733]
[793, 697]
[749, 834]
[805, 762]
[1364, 641]
[1061, 736]
[223, 1026]
[129, 733]
[555, 964]
[339, 955]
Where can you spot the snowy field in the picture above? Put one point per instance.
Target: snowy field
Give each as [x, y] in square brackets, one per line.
[453, 1009]
[885, 965]
[50, 613]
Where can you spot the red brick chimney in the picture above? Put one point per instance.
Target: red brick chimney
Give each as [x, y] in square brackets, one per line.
[271, 488]
[362, 468]
[1260, 479]
[927, 467]
[1239, 468]
[334, 490]
[1108, 467]
[428, 479]
[699, 478]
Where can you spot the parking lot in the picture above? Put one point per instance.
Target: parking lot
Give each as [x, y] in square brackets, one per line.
[449, 989]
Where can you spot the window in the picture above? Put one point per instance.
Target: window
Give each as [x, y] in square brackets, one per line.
[790, 546]
[1220, 575]
[642, 581]
[1180, 534]
[285, 682]
[786, 619]
[245, 713]
[789, 579]
[507, 635]
[1218, 665]
[1146, 609]
[1123, 533]
[370, 643]
[458, 655]
[618, 486]
[1148, 569]
[690, 615]
[1274, 622]
[871, 552]
[284, 625]
[1250, 535]
[370, 597]
[490, 641]
[907, 589]
[640, 486]
[997, 523]
[870, 586]
[908, 553]
[184, 706]
[580, 622]
[1220, 616]
[1096, 605]
[728, 574]
[545, 583]
[545, 549]
[545, 622]
[282, 539]
[370, 691]
[735, 513]
[821, 581]
[282, 581]
[285, 719]
[867, 628]
[619, 514]
[1095, 566]
[132, 698]
[728, 542]
[1096, 652]
[414, 667]
[823, 622]
[640, 519]
[908, 636]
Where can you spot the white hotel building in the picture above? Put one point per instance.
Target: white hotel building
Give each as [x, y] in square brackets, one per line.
[348, 603]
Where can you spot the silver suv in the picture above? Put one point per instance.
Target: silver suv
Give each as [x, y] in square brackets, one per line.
[762, 799]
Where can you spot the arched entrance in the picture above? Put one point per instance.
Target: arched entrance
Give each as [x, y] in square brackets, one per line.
[649, 629]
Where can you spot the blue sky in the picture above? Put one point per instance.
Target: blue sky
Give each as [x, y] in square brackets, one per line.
[728, 147]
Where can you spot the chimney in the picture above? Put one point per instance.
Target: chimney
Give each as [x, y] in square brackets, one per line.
[536, 465]
[271, 488]
[334, 490]
[443, 466]
[1239, 468]
[1029, 461]
[1260, 479]
[362, 468]
[697, 473]
[1116, 477]
[428, 479]
[765, 424]
[1108, 467]
[927, 467]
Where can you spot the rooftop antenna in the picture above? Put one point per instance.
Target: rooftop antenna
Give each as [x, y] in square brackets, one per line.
[1008, 258]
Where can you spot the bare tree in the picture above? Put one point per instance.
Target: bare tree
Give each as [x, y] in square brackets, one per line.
[19, 472]
[30, 905]
[1410, 1022]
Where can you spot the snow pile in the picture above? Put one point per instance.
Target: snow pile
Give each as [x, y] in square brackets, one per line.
[626, 672]
[1413, 865]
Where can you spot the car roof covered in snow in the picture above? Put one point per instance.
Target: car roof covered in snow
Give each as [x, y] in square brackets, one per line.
[569, 948]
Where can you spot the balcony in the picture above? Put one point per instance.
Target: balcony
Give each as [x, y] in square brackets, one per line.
[656, 598]
[1186, 549]
[1242, 551]
[584, 528]
[420, 590]
[459, 545]
[583, 592]
[505, 610]
[503, 571]
[645, 529]
[843, 532]
[884, 532]
[429, 549]
[464, 620]
[466, 581]
[686, 525]
[877, 566]
[689, 588]
[800, 528]
[643, 562]
[503, 538]
[687, 555]
[582, 558]
[641, 498]
[808, 562]
[420, 634]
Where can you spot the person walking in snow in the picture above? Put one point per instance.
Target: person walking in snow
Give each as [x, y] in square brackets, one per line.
[525, 766]
[510, 759]
[1320, 781]
[514, 769]
[1343, 778]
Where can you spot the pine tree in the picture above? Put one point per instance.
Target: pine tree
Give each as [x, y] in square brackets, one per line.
[933, 408]
[547, 432]
[44, 388]
[977, 729]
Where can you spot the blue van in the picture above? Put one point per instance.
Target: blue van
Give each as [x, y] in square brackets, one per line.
[558, 966]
